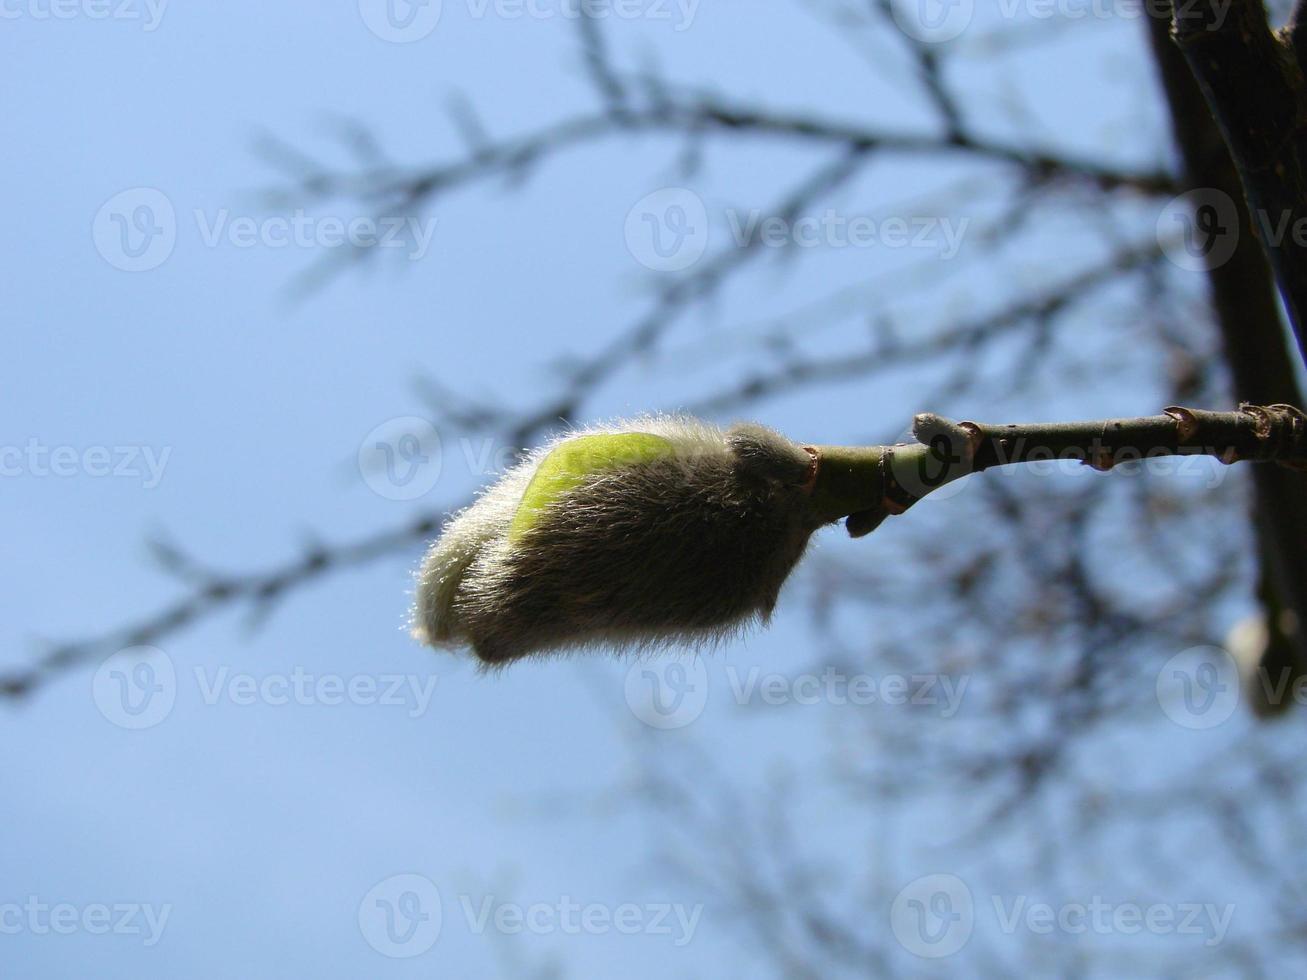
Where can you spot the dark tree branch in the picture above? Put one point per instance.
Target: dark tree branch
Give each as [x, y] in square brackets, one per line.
[1247, 313]
[1296, 31]
[930, 71]
[210, 592]
[594, 50]
[392, 187]
[1254, 86]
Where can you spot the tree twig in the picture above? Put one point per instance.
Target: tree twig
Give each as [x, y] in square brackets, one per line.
[868, 484]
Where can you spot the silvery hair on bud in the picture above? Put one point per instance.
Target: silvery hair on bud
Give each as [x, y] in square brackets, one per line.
[678, 549]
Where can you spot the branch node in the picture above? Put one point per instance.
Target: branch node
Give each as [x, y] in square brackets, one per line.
[1186, 422]
[963, 438]
[1101, 460]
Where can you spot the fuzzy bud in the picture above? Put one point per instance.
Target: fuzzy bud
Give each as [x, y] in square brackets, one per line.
[660, 530]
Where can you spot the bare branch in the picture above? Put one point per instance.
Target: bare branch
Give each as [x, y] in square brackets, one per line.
[1254, 86]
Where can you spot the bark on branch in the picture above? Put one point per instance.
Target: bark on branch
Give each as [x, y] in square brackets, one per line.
[1262, 366]
[867, 484]
[1253, 83]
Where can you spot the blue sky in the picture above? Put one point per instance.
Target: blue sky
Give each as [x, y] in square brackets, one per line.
[262, 828]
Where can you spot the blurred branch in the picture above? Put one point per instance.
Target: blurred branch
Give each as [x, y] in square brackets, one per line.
[668, 113]
[930, 72]
[209, 592]
[888, 352]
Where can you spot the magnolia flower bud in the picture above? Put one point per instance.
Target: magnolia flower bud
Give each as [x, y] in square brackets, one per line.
[655, 531]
